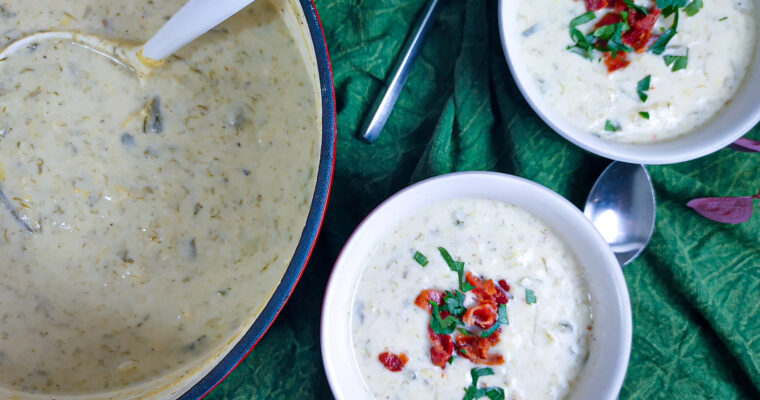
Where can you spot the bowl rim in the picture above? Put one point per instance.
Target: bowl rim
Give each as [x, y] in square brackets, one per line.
[678, 150]
[337, 375]
[314, 220]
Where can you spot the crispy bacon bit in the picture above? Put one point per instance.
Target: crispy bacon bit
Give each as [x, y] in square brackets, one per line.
[593, 5]
[423, 300]
[616, 62]
[486, 291]
[608, 19]
[483, 315]
[393, 362]
[618, 5]
[504, 285]
[476, 348]
[442, 348]
[641, 29]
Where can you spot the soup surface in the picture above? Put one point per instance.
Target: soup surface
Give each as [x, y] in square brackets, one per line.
[541, 341]
[163, 210]
[689, 82]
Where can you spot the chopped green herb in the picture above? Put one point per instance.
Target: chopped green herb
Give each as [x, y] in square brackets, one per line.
[530, 297]
[472, 392]
[463, 351]
[679, 62]
[501, 320]
[453, 302]
[693, 7]
[584, 44]
[582, 19]
[643, 87]
[441, 326]
[659, 46]
[639, 9]
[722, 19]
[451, 360]
[420, 258]
[615, 43]
[464, 331]
[609, 126]
[644, 114]
[605, 32]
[668, 7]
[458, 267]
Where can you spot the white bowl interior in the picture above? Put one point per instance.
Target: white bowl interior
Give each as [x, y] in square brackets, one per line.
[733, 121]
[602, 376]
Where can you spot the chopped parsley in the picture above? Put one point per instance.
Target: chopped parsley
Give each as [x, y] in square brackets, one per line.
[670, 6]
[420, 258]
[643, 87]
[530, 297]
[451, 359]
[458, 267]
[453, 302]
[441, 326]
[659, 46]
[693, 7]
[609, 126]
[723, 19]
[502, 320]
[472, 392]
[644, 114]
[639, 9]
[679, 62]
[615, 42]
[463, 351]
[584, 44]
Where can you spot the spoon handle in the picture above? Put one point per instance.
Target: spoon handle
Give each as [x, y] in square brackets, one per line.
[386, 99]
[194, 19]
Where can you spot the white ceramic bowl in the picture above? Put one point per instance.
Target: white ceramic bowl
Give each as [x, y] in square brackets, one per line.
[602, 376]
[730, 123]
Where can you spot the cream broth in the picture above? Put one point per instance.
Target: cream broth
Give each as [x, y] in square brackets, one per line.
[164, 211]
[720, 39]
[545, 343]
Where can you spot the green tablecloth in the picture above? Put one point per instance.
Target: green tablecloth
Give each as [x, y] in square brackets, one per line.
[695, 291]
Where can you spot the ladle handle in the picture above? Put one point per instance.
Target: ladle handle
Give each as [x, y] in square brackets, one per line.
[194, 19]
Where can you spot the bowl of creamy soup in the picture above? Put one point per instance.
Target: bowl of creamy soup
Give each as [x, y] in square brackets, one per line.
[152, 226]
[476, 285]
[641, 81]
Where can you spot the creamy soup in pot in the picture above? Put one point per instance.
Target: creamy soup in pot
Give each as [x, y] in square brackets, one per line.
[471, 297]
[145, 220]
[677, 71]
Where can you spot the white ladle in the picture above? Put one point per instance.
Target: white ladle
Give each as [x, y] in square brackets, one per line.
[194, 19]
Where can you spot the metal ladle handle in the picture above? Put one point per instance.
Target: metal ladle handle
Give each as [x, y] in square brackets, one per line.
[386, 99]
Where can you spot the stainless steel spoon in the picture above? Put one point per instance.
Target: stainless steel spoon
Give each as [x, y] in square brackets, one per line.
[381, 109]
[621, 205]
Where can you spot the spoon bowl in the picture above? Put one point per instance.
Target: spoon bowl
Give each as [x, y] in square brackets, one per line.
[621, 205]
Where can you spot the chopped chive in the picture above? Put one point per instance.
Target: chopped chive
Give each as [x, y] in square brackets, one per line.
[420, 258]
[643, 87]
[638, 9]
[679, 62]
[458, 267]
[530, 297]
[693, 7]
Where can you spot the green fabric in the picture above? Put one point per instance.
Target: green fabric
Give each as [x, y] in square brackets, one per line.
[695, 291]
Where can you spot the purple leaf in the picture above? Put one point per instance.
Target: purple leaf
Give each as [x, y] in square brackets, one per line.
[729, 210]
[746, 145]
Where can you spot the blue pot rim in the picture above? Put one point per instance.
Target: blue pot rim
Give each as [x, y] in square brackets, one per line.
[313, 221]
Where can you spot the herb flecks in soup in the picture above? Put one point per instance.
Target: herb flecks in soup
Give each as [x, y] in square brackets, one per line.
[163, 211]
[482, 297]
[693, 55]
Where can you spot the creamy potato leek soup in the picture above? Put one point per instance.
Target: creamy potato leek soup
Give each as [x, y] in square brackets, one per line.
[145, 221]
[637, 71]
[471, 298]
